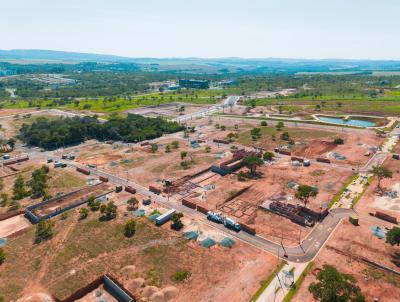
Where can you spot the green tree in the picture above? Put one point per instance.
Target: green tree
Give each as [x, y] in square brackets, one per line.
[381, 172]
[252, 162]
[130, 228]
[19, 190]
[93, 204]
[177, 222]
[108, 210]
[393, 236]
[305, 192]
[2, 256]
[268, 156]
[83, 213]
[38, 182]
[11, 143]
[133, 204]
[285, 136]
[44, 230]
[207, 149]
[167, 149]
[332, 286]
[255, 133]
[279, 126]
[264, 123]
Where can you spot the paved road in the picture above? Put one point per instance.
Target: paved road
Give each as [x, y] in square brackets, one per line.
[230, 101]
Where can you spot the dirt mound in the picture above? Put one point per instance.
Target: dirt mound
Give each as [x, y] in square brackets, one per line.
[148, 291]
[135, 284]
[157, 297]
[315, 148]
[170, 292]
[128, 271]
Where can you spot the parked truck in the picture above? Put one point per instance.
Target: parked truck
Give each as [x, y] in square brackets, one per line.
[215, 217]
[160, 220]
[231, 224]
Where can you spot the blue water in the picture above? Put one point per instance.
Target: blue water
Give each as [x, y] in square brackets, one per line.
[349, 122]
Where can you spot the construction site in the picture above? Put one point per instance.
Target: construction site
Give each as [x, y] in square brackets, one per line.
[200, 173]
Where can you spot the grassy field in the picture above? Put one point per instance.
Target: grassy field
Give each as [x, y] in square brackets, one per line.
[390, 104]
[295, 133]
[119, 103]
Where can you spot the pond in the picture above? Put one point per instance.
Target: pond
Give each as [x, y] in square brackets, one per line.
[349, 122]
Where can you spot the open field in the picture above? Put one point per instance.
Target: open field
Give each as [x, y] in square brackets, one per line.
[386, 105]
[350, 241]
[67, 262]
[139, 164]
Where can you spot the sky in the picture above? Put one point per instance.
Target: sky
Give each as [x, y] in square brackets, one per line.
[314, 29]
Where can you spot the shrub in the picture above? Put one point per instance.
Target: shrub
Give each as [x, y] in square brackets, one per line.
[338, 141]
[2, 256]
[264, 123]
[83, 213]
[44, 230]
[181, 275]
[130, 228]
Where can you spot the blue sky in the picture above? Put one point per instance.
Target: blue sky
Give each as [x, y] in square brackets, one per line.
[360, 29]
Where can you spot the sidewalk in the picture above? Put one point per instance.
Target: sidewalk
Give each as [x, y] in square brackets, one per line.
[280, 285]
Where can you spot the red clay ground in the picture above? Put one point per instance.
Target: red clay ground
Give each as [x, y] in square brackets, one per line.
[82, 251]
[374, 283]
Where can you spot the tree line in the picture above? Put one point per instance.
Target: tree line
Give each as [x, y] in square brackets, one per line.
[51, 134]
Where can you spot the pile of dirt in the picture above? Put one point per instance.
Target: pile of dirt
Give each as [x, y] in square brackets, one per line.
[315, 148]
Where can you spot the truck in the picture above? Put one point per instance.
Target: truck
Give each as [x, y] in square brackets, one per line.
[160, 220]
[215, 217]
[231, 224]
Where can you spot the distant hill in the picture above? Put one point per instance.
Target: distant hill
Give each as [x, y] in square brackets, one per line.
[53, 55]
[200, 65]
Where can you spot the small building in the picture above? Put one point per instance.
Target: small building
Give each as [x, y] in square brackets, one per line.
[195, 84]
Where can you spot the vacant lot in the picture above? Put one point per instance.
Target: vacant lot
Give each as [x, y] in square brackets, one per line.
[350, 241]
[81, 251]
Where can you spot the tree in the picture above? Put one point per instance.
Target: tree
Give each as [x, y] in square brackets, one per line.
[264, 123]
[279, 126]
[381, 172]
[44, 230]
[1, 184]
[335, 286]
[268, 156]
[93, 204]
[167, 149]
[109, 211]
[393, 236]
[305, 192]
[2, 256]
[252, 162]
[11, 143]
[177, 223]
[231, 136]
[207, 149]
[38, 182]
[154, 148]
[19, 190]
[130, 228]
[285, 136]
[183, 154]
[255, 133]
[83, 213]
[132, 203]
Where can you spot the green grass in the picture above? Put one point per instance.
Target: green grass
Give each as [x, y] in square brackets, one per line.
[294, 133]
[337, 196]
[267, 281]
[298, 283]
[64, 180]
[358, 197]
